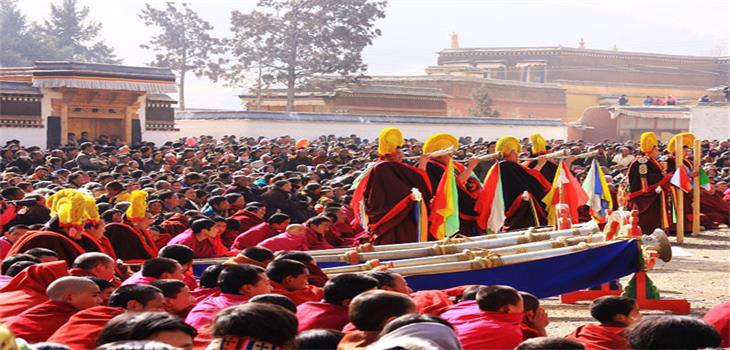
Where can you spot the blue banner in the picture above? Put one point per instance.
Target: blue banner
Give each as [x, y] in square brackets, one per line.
[547, 277]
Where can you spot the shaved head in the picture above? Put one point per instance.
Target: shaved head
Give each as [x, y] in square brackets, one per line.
[87, 261]
[61, 288]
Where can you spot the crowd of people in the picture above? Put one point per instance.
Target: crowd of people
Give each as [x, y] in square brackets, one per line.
[98, 242]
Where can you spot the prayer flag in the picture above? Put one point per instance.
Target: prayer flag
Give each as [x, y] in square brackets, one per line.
[566, 189]
[445, 206]
[681, 180]
[599, 196]
[704, 180]
[490, 204]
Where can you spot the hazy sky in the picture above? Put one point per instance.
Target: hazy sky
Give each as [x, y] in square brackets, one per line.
[415, 30]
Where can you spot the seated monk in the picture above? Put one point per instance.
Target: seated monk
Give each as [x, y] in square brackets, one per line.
[95, 264]
[340, 233]
[713, 207]
[614, 313]
[178, 300]
[317, 229]
[7, 263]
[82, 329]
[317, 277]
[208, 282]
[289, 278]
[492, 321]
[535, 317]
[432, 302]
[67, 296]
[251, 326]
[202, 238]
[28, 288]
[256, 256]
[247, 218]
[719, 317]
[155, 269]
[175, 224]
[9, 237]
[237, 284]
[184, 256]
[369, 312]
[255, 235]
[130, 238]
[291, 239]
[332, 311]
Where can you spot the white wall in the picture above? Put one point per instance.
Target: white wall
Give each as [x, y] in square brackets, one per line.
[711, 122]
[269, 128]
[159, 137]
[26, 136]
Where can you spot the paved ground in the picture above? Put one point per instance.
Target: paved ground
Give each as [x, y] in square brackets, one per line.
[699, 272]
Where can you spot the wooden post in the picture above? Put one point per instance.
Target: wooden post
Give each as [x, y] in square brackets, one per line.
[697, 148]
[64, 123]
[679, 198]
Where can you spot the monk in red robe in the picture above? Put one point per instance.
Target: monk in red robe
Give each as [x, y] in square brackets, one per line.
[130, 239]
[276, 224]
[203, 238]
[293, 239]
[538, 147]
[247, 218]
[369, 312]
[290, 278]
[614, 314]
[648, 187]
[28, 288]
[67, 296]
[317, 230]
[386, 192]
[719, 317]
[522, 192]
[175, 224]
[82, 329]
[468, 187]
[332, 311]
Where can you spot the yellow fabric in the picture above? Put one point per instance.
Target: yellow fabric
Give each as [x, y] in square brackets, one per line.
[70, 205]
[688, 140]
[389, 140]
[440, 141]
[539, 146]
[92, 211]
[648, 141]
[507, 144]
[138, 207]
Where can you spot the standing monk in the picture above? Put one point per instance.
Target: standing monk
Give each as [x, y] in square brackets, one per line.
[538, 147]
[521, 188]
[648, 183]
[384, 199]
[468, 186]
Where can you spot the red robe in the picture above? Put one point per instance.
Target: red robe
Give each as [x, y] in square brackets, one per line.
[714, 208]
[130, 243]
[38, 323]
[432, 302]
[357, 340]
[652, 206]
[67, 249]
[82, 329]
[719, 317]
[284, 242]
[319, 314]
[207, 248]
[200, 294]
[314, 241]
[204, 312]
[311, 293]
[246, 220]
[317, 277]
[254, 236]
[28, 288]
[175, 224]
[479, 329]
[600, 337]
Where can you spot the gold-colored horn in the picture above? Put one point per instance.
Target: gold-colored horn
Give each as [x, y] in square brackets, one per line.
[658, 242]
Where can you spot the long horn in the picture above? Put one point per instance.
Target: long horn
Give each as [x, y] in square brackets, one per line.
[443, 249]
[557, 154]
[658, 242]
[435, 154]
[590, 154]
[468, 254]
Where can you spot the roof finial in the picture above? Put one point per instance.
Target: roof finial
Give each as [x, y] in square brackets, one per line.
[454, 40]
[582, 44]
[614, 48]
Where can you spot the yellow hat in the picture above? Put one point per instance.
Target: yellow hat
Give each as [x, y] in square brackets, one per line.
[137, 210]
[539, 146]
[440, 141]
[507, 144]
[70, 206]
[648, 141]
[389, 140]
[92, 211]
[688, 140]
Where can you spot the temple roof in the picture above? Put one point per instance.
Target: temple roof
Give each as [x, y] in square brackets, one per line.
[542, 50]
[99, 76]
[18, 88]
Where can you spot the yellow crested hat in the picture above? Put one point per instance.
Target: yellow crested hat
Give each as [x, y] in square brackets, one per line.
[137, 209]
[440, 141]
[507, 144]
[539, 146]
[648, 142]
[69, 205]
[389, 140]
[688, 140]
[91, 210]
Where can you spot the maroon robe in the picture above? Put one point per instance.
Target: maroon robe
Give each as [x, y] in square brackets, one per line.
[82, 329]
[28, 288]
[130, 243]
[548, 170]
[321, 315]
[68, 249]
[38, 323]
[175, 224]
[600, 337]
[254, 236]
[642, 196]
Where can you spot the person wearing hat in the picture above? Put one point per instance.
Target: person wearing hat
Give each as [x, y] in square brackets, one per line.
[386, 191]
[547, 167]
[648, 186]
[522, 191]
[130, 238]
[468, 186]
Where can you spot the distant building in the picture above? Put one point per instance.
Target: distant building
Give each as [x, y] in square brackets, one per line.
[43, 104]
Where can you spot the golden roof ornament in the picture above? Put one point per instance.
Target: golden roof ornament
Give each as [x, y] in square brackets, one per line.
[582, 44]
[454, 40]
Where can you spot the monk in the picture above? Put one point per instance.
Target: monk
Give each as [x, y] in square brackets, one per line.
[175, 224]
[614, 313]
[317, 277]
[293, 238]
[255, 235]
[130, 238]
[535, 317]
[687, 140]
[82, 329]
[317, 229]
[184, 256]
[719, 317]
[202, 238]
[648, 186]
[369, 312]
[538, 147]
[12, 235]
[178, 299]
[385, 190]
[155, 269]
[247, 218]
[289, 278]
[237, 284]
[492, 321]
[28, 288]
[332, 311]
[522, 192]
[67, 296]
[468, 187]
[94, 264]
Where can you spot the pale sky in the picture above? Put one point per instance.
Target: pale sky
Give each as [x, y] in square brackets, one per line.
[415, 30]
